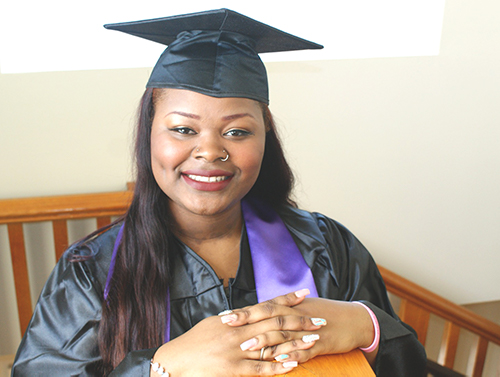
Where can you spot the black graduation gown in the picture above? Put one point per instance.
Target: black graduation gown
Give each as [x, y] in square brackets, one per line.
[62, 334]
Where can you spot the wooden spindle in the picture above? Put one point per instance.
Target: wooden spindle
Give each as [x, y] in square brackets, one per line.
[103, 221]
[416, 316]
[449, 345]
[60, 231]
[477, 357]
[21, 277]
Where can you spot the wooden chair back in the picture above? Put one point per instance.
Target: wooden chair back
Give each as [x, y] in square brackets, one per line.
[417, 305]
[58, 210]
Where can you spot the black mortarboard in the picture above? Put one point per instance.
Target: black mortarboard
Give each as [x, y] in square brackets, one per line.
[213, 52]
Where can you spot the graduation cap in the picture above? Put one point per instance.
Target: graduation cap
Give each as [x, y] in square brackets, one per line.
[213, 52]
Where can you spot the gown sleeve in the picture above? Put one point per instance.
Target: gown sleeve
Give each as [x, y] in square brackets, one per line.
[358, 278]
[61, 338]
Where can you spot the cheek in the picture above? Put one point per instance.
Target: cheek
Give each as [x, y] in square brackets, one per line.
[252, 162]
[165, 155]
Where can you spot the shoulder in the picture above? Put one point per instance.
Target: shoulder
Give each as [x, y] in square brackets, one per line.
[97, 246]
[85, 263]
[319, 227]
[326, 243]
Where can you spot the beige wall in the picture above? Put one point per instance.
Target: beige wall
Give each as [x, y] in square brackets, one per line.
[403, 151]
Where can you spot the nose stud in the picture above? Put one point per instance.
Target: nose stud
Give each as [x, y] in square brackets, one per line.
[222, 159]
[226, 158]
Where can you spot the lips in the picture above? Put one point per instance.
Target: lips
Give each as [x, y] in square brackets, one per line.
[213, 180]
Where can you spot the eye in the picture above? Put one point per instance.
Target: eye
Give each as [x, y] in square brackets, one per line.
[183, 130]
[237, 133]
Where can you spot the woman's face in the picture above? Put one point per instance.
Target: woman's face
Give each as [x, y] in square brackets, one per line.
[190, 131]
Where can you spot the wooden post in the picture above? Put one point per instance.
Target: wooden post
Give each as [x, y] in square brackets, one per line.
[20, 270]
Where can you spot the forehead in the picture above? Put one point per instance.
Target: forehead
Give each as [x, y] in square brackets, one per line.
[201, 104]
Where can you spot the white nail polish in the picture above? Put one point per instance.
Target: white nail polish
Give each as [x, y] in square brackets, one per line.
[290, 364]
[245, 346]
[310, 338]
[318, 321]
[228, 318]
[302, 292]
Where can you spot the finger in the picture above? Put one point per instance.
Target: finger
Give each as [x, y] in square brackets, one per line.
[281, 329]
[287, 350]
[265, 368]
[272, 338]
[277, 348]
[301, 356]
[267, 309]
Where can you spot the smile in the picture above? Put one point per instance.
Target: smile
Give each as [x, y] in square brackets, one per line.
[203, 178]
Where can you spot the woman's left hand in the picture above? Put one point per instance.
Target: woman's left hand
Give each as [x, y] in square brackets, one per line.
[348, 326]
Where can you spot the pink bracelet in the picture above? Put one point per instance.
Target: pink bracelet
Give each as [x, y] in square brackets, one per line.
[376, 327]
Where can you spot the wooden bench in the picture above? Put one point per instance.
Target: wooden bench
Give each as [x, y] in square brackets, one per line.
[417, 303]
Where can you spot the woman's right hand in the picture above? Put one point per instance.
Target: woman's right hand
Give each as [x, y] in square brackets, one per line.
[213, 349]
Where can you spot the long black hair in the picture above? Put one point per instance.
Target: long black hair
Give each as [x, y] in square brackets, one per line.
[133, 316]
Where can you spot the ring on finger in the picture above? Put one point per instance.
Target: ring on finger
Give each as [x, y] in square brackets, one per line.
[262, 350]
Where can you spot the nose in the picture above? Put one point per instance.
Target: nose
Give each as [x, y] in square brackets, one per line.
[210, 149]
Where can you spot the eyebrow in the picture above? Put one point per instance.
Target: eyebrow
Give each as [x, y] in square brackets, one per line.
[225, 118]
[187, 115]
[237, 116]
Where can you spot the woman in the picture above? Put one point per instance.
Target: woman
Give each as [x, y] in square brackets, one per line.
[212, 229]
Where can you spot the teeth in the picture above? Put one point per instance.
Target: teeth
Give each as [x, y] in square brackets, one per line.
[202, 178]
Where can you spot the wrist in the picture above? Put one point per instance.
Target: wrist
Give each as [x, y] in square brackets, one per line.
[375, 330]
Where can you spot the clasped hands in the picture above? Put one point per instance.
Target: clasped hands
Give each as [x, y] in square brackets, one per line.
[268, 338]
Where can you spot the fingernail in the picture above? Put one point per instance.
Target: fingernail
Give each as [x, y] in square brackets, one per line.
[302, 292]
[248, 344]
[281, 357]
[225, 312]
[318, 321]
[310, 338]
[229, 318]
[290, 364]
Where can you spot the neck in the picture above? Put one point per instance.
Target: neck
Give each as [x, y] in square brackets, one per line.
[215, 238]
[194, 229]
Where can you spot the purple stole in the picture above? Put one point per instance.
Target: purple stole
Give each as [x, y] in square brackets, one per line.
[278, 265]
